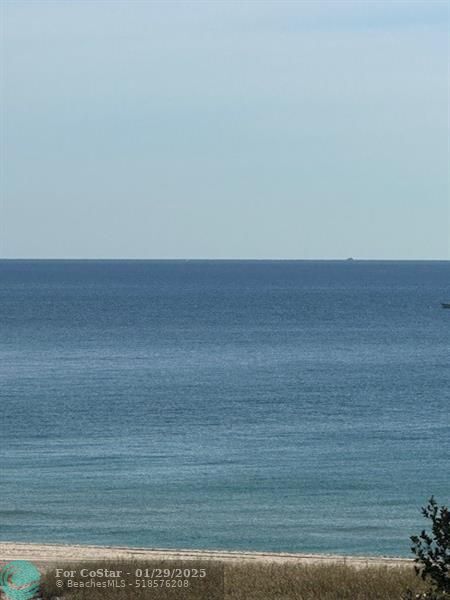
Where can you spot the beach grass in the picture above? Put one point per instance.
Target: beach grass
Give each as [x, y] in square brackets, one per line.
[239, 581]
[320, 582]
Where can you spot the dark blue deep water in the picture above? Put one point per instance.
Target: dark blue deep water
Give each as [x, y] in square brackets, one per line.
[299, 406]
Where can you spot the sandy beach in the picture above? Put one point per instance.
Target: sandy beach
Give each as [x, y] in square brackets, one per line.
[54, 553]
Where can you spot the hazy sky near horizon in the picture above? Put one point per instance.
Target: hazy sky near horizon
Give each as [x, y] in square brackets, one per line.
[223, 129]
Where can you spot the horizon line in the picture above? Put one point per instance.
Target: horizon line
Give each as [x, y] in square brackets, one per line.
[199, 259]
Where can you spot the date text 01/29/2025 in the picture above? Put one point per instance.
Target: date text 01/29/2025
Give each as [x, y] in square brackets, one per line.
[153, 573]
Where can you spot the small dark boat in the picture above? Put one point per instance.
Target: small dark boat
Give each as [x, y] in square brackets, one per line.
[445, 304]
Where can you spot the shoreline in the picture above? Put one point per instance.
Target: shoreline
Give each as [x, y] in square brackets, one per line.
[52, 553]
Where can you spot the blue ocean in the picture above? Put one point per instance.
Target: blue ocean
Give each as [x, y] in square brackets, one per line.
[255, 405]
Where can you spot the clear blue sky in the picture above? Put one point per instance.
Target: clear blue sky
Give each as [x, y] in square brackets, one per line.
[221, 129]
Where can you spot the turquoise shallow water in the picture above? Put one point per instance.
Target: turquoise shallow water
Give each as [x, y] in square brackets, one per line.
[299, 406]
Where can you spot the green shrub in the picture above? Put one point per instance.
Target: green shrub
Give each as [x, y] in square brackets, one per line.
[432, 551]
